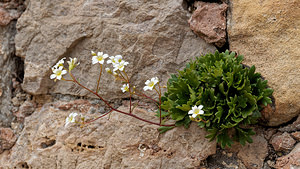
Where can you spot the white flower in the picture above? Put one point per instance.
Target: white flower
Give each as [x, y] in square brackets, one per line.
[125, 88]
[60, 63]
[120, 66]
[196, 111]
[108, 70]
[72, 63]
[151, 83]
[99, 58]
[57, 73]
[71, 118]
[115, 59]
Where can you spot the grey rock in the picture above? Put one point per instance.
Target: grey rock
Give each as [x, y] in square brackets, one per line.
[118, 142]
[153, 36]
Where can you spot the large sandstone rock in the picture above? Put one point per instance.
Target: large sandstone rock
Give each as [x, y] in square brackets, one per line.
[267, 34]
[152, 35]
[117, 142]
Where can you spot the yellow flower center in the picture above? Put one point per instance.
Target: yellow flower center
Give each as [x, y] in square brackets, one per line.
[99, 58]
[151, 84]
[58, 72]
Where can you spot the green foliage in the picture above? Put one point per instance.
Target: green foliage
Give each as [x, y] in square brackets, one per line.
[232, 96]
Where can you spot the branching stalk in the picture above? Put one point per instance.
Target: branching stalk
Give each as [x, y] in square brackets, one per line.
[113, 109]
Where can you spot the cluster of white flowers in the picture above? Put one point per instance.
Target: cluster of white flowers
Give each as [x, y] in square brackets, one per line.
[59, 70]
[196, 111]
[116, 61]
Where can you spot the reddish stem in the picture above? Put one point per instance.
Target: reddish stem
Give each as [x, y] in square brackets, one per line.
[97, 89]
[113, 109]
[98, 117]
[143, 95]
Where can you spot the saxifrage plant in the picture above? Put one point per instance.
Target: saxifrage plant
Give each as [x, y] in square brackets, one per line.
[219, 93]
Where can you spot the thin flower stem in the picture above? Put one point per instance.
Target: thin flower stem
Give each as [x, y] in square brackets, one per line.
[98, 82]
[129, 87]
[159, 104]
[113, 109]
[144, 95]
[122, 76]
[67, 80]
[130, 111]
[98, 117]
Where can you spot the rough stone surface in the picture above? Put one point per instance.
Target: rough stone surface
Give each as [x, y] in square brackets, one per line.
[117, 142]
[282, 142]
[8, 62]
[296, 135]
[254, 154]
[26, 109]
[265, 33]
[290, 161]
[295, 126]
[153, 36]
[7, 139]
[209, 22]
[10, 10]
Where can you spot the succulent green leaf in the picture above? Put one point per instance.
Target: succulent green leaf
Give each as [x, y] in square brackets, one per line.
[164, 129]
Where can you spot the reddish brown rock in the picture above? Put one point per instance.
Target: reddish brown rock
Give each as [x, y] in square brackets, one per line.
[10, 10]
[296, 135]
[7, 139]
[5, 18]
[209, 22]
[254, 154]
[290, 161]
[80, 105]
[282, 142]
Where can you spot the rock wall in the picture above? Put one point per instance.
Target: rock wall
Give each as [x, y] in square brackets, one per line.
[267, 34]
[9, 74]
[117, 142]
[153, 36]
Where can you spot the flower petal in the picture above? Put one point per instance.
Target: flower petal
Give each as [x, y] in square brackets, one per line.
[53, 76]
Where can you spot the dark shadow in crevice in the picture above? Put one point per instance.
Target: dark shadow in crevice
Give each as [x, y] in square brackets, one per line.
[189, 4]
[19, 70]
